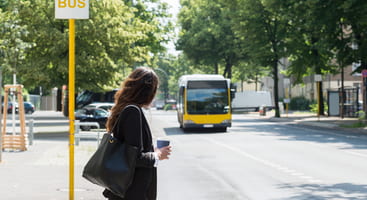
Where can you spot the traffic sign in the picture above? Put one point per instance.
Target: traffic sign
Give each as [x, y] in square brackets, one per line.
[72, 9]
[318, 77]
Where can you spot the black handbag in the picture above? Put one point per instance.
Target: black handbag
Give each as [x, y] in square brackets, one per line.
[112, 166]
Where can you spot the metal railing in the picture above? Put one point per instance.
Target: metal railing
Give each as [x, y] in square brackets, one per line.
[78, 134]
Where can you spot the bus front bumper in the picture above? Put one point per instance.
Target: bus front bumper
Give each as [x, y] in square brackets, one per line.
[194, 125]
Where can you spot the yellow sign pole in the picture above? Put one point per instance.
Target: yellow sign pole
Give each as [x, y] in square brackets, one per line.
[68, 10]
[71, 105]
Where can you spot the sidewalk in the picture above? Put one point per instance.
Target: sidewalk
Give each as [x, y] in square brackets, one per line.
[42, 172]
[311, 119]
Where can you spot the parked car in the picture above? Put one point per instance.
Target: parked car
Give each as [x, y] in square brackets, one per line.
[103, 105]
[159, 104]
[29, 107]
[92, 115]
[10, 107]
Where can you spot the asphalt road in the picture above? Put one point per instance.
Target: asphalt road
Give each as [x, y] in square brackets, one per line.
[260, 160]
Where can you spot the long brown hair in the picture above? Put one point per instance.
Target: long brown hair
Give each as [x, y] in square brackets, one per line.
[138, 89]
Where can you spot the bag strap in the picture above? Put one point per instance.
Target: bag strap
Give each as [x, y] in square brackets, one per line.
[141, 123]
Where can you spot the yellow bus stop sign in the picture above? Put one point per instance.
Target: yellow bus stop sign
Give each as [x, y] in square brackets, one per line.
[71, 9]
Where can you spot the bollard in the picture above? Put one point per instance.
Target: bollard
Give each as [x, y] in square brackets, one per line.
[76, 134]
[30, 134]
[98, 139]
[262, 110]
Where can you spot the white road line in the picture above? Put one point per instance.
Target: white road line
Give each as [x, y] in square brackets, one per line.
[275, 166]
[356, 154]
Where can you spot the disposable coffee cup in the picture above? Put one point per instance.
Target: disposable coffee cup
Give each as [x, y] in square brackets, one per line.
[162, 143]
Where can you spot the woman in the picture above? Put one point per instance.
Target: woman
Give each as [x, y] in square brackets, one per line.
[138, 89]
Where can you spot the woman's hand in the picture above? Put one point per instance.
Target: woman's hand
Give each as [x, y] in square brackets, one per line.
[163, 152]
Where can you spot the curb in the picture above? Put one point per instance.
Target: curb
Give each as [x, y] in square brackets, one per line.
[316, 124]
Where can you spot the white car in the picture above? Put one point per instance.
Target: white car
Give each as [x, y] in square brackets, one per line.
[103, 105]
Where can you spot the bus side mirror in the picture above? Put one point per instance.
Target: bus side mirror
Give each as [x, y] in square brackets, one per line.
[233, 91]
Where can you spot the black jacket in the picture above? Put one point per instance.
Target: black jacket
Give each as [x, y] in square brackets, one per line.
[128, 129]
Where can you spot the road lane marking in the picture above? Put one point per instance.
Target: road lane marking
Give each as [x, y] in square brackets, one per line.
[356, 154]
[270, 164]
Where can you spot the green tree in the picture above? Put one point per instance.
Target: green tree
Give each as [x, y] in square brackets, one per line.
[13, 47]
[354, 17]
[170, 68]
[250, 73]
[206, 36]
[262, 29]
[3, 4]
[155, 13]
[112, 41]
[308, 44]
[321, 38]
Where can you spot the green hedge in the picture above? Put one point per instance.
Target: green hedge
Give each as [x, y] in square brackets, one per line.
[167, 107]
[299, 103]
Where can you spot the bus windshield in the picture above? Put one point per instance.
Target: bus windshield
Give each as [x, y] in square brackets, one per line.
[207, 97]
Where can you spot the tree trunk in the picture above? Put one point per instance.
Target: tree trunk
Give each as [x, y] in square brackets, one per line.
[317, 64]
[225, 72]
[276, 96]
[229, 70]
[321, 96]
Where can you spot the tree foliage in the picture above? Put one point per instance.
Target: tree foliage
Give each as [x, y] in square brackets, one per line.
[206, 36]
[115, 38]
[170, 68]
[263, 31]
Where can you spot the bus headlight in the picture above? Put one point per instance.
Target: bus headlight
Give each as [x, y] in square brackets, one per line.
[188, 122]
[226, 121]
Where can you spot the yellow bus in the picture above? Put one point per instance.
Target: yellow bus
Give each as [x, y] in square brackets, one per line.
[204, 102]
